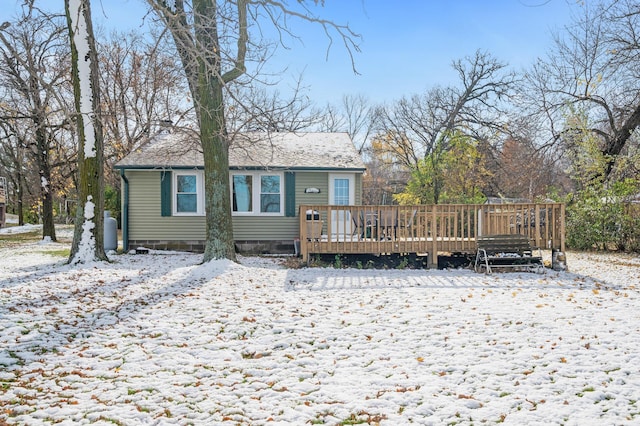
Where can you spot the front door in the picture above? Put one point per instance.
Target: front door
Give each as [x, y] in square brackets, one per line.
[341, 193]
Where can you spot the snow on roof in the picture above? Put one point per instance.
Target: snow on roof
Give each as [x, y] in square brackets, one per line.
[252, 150]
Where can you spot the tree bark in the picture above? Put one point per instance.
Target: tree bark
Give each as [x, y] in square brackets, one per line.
[219, 230]
[199, 52]
[44, 172]
[620, 137]
[215, 147]
[88, 238]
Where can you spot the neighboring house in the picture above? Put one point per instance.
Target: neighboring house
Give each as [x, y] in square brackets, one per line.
[270, 176]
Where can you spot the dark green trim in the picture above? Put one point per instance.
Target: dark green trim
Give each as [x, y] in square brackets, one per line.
[157, 168]
[305, 169]
[290, 194]
[165, 193]
[125, 212]
[236, 168]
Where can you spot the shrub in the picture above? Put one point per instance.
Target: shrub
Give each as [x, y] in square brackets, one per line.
[601, 220]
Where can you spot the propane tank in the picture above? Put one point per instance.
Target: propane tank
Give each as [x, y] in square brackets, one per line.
[110, 232]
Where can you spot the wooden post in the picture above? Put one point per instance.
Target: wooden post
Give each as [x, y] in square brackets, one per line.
[538, 235]
[562, 230]
[433, 251]
[304, 249]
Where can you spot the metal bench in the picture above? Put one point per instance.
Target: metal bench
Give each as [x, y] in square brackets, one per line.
[507, 251]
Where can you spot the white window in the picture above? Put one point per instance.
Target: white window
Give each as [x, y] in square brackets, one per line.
[257, 193]
[188, 193]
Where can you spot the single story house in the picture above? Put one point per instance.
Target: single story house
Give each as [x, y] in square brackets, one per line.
[270, 176]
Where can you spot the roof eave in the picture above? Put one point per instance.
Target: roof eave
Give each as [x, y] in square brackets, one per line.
[280, 168]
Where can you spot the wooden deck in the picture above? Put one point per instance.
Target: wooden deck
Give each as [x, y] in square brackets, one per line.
[425, 229]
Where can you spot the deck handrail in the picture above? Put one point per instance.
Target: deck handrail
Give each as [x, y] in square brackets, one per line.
[429, 229]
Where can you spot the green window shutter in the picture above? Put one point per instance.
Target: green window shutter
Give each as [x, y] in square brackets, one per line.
[165, 193]
[290, 194]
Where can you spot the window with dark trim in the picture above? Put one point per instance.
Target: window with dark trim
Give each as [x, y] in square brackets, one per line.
[257, 193]
[188, 193]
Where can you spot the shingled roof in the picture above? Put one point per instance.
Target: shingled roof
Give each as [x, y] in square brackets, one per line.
[302, 151]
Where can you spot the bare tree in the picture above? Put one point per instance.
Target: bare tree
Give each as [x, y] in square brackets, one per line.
[385, 176]
[142, 88]
[214, 40]
[32, 74]
[523, 171]
[355, 116]
[14, 164]
[591, 73]
[254, 108]
[423, 126]
[89, 234]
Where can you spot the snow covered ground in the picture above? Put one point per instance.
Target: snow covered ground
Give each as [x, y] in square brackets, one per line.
[162, 339]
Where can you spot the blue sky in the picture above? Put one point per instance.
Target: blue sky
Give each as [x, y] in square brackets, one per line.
[407, 45]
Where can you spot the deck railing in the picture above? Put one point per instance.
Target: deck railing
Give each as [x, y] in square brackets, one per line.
[432, 229]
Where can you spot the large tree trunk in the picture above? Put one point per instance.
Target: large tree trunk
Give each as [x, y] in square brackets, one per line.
[219, 230]
[48, 226]
[88, 238]
[42, 160]
[213, 136]
[619, 140]
[44, 172]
